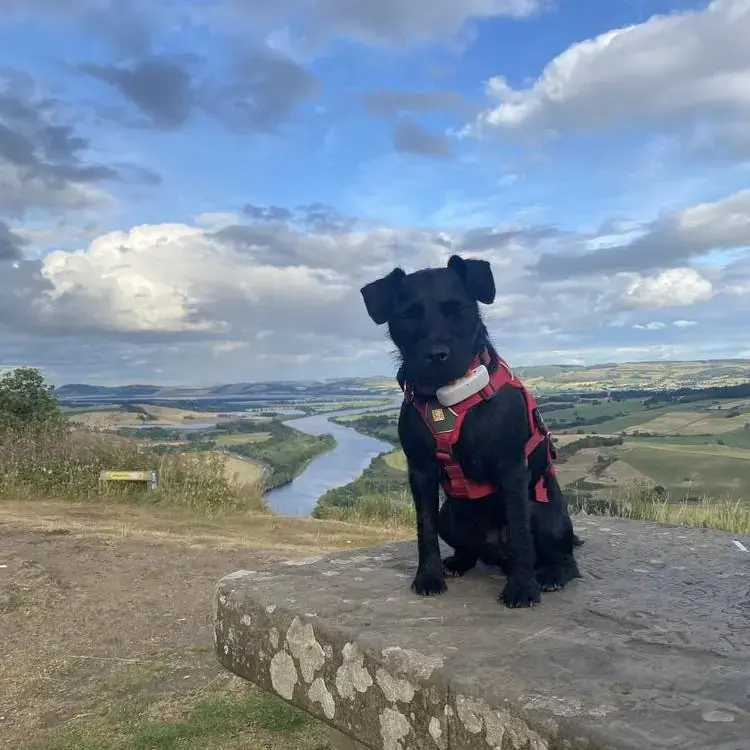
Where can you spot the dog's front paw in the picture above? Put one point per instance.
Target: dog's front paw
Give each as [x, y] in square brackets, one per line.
[456, 565]
[557, 577]
[521, 591]
[429, 582]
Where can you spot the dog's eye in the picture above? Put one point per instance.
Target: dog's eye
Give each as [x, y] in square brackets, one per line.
[413, 312]
[451, 309]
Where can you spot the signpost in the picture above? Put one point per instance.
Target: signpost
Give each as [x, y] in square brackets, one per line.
[149, 478]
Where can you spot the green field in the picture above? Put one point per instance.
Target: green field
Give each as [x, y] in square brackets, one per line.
[736, 439]
[240, 438]
[614, 416]
[691, 471]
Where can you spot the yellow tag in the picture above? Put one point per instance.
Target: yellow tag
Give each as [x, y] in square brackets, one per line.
[438, 415]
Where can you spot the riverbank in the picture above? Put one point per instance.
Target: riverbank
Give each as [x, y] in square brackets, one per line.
[284, 450]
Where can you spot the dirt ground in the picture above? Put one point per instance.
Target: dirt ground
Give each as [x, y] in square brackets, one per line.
[106, 640]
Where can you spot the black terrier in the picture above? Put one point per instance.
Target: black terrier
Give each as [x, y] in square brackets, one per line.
[468, 424]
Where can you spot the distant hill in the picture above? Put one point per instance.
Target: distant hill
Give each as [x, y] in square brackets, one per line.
[281, 389]
[654, 376]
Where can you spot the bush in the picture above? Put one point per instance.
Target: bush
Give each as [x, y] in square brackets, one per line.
[26, 400]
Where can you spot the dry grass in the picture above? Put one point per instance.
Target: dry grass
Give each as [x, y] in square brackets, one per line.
[642, 504]
[226, 530]
[65, 463]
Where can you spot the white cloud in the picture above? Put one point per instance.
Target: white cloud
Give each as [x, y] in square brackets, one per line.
[172, 278]
[270, 294]
[690, 67]
[676, 287]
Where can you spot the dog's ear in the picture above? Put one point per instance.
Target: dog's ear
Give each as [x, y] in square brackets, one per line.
[477, 275]
[380, 295]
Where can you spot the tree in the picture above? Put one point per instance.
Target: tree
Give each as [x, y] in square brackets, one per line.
[26, 400]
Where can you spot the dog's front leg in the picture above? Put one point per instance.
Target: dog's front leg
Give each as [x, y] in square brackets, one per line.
[522, 588]
[429, 579]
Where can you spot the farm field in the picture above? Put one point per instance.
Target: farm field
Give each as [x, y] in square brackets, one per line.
[677, 450]
[138, 415]
[243, 471]
[242, 437]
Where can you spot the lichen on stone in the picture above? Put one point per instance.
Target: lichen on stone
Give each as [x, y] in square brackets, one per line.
[305, 648]
[352, 677]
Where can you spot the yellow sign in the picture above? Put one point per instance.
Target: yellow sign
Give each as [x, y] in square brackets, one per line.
[126, 476]
[438, 415]
[149, 477]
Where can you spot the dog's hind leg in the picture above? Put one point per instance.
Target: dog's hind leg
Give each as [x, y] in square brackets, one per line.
[554, 541]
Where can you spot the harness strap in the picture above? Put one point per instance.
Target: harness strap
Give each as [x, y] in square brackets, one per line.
[460, 487]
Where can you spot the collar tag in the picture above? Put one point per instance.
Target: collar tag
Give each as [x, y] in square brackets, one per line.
[461, 389]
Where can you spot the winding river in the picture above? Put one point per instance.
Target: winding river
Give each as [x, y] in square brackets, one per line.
[350, 457]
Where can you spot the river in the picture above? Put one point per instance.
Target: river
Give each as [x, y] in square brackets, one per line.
[350, 457]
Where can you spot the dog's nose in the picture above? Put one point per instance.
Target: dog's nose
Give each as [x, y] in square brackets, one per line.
[438, 354]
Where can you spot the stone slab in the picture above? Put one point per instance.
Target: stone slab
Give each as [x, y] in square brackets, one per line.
[649, 650]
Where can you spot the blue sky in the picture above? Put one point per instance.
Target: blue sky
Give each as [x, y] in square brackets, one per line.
[195, 192]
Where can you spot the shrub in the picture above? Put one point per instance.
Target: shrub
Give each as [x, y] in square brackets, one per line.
[26, 400]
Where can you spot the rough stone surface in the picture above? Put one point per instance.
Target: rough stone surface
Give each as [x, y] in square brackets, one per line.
[649, 650]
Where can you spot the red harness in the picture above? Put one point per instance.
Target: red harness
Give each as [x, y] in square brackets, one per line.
[445, 424]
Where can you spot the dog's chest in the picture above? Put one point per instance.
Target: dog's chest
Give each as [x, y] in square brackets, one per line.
[442, 421]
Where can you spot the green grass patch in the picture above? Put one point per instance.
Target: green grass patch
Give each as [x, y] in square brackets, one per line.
[691, 473]
[329, 406]
[229, 719]
[610, 416]
[240, 438]
[396, 459]
[736, 439]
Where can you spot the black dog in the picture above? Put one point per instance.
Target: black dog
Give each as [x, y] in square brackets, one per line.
[434, 321]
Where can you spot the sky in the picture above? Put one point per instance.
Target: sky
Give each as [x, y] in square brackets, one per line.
[194, 192]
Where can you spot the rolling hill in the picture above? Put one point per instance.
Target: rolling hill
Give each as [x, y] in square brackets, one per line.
[647, 376]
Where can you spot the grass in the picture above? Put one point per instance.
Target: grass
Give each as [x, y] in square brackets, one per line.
[229, 529]
[328, 406]
[65, 462]
[642, 504]
[241, 438]
[695, 423]
[380, 495]
[689, 471]
[136, 414]
[396, 459]
[736, 439]
[227, 718]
